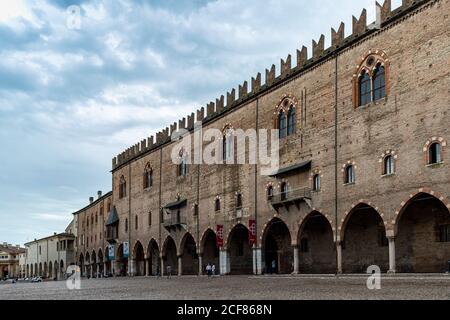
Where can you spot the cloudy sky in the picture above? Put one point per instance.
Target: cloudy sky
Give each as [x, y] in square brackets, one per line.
[73, 95]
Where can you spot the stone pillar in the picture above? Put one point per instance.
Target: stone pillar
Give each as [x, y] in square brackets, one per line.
[296, 271]
[339, 256]
[91, 269]
[131, 267]
[257, 261]
[163, 271]
[392, 266]
[224, 259]
[105, 271]
[200, 264]
[180, 265]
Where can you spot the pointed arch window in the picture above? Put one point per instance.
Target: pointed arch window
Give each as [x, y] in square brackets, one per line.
[217, 205]
[269, 193]
[284, 191]
[183, 166]
[122, 187]
[282, 124]
[291, 121]
[148, 177]
[388, 165]
[239, 201]
[379, 83]
[349, 174]
[316, 182]
[435, 153]
[227, 144]
[365, 89]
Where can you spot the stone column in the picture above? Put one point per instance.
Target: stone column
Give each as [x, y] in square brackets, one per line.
[339, 256]
[131, 266]
[105, 271]
[392, 266]
[180, 265]
[200, 264]
[224, 262]
[163, 271]
[296, 271]
[91, 269]
[257, 261]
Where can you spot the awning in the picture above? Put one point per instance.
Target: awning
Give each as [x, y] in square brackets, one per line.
[113, 217]
[176, 204]
[296, 167]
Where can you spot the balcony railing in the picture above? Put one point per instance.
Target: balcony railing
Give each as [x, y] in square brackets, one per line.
[291, 197]
[175, 222]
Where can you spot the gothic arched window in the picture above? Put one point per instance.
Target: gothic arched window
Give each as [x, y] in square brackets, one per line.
[365, 89]
[282, 124]
[291, 121]
[148, 177]
[122, 187]
[379, 83]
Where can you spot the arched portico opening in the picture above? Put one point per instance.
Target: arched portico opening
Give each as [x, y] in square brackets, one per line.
[154, 261]
[317, 251]
[189, 256]
[210, 250]
[240, 253]
[101, 270]
[28, 271]
[139, 259]
[122, 261]
[364, 241]
[50, 270]
[423, 235]
[170, 255]
[277, 248]
[40, 270]
[80, 264]
[45, 273]
[94, 264]
[55, 270]
[87, 264]
[62, 269]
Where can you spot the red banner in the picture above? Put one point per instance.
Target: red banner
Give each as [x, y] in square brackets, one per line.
[219, 236]
[252, 232]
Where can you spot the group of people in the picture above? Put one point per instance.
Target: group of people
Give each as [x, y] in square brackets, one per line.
[210, 270]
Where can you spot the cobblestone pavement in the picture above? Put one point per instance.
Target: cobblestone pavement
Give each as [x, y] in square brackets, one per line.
[434, 287]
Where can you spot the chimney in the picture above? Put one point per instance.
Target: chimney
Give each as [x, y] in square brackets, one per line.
[91, 199]
[99, 193]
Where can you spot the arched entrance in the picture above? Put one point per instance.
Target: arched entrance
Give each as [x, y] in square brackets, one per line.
[40, 270]
[241, 259]
[364, 241]
[94, 264]
[62, 270]
[139, 259]
[100, 263]
[316, 249]
[210, 250]
[189, 256]
[50, 270]
[45, 274]
[80, 264]
[423, 235]
[87, 265]
[170, 255]
[122, 262]
[28, 271]
[55, 267]
[277, 248]
[154, 261]
[108, 262]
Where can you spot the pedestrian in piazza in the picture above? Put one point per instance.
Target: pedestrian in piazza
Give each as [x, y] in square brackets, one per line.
[213, 270]
[169, 271]
[208, 270]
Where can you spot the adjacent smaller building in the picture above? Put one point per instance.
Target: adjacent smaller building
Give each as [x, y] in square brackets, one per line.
[49, 257]
[9, 260]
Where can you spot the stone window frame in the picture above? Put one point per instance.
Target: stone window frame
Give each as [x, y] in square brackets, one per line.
[272, 187]
[382, 160]
[217, 201]
[285, 104]
[344, 172]
[148, 170]
[313, 174]
[380, 59]
[236, 195]
[227, 131]
[122, 187]
[287, 184]
[426, 151]
[182, 157]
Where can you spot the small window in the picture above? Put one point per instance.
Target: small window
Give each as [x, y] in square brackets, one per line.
[217, 204]
[150, 218]
[349, 174]
[227, 145]
[291, 121]
[365, 90]
[196, 210]
[282, 124]
[183, 166]
[136, 222]
[304, 247]
[284, 191]
[269, 193]
[239, 201]
[122, 188]
[126, 225]
[388, 165]
[316, 182]
[435, 153]
[379, 83]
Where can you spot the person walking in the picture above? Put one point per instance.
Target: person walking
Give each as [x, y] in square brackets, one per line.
[213, 270]
[274, 266]
[208, 270]
[169, 271]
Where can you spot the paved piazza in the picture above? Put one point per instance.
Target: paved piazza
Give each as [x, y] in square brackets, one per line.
[433, 287]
